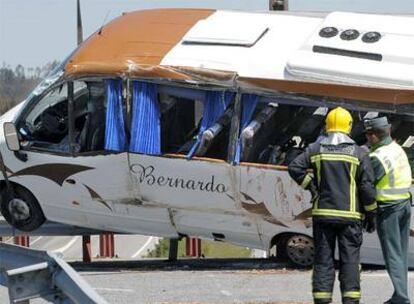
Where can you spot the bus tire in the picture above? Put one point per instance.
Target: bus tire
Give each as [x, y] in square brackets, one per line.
[22, 211]
[299, 250]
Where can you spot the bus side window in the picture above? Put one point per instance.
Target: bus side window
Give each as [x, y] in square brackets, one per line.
[179, 123]
[90, 119]
[277, 133]
[183, 130]
[46, 126]
[402, 132]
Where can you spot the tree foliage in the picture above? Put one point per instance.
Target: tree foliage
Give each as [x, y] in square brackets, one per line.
[16, 84]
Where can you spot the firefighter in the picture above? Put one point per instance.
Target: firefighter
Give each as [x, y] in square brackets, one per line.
[392, 180]
[343, 194]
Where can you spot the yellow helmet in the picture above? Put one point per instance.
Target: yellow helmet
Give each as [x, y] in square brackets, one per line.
[339, 120]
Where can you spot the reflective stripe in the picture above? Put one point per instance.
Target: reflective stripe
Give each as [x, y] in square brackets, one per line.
[371, 207]
[306, 181]
[352, 294]
[322, 295]
[392, 191]
[394, 197]
[352, 188]
[337, 213]
[335, 157]
[318, 176]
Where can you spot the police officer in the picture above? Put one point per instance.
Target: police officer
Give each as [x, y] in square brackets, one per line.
[343, 194]
[392, 180]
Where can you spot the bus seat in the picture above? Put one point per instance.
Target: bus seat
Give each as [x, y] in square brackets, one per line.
[211, 136]
[92, 137]
[302, 126]
[255, 136]
[312, 126]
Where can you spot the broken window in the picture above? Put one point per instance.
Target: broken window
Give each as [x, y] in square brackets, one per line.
[195, 122]
[180, 122]
[402, 131]
[275, 133]
[272, 132]
[46, 125]
[90, 118]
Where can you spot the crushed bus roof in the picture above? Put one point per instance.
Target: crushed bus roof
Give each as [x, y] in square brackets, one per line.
[282, 52]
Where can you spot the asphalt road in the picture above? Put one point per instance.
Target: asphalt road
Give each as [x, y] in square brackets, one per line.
[189, 285]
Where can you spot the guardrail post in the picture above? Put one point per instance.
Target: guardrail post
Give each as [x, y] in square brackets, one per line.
[107, 245]
[86, 248]
[173, 250]
[22, 240]
[193, 247]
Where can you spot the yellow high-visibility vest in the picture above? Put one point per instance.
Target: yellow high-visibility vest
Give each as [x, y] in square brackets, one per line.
[395, 184]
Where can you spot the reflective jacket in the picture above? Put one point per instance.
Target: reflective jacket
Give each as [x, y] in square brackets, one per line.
[393, 186]
[343, 177]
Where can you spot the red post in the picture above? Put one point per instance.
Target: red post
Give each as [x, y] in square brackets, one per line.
[193, 247]
[22, 240]
[102, 243]
[86, 248]
[107, 245]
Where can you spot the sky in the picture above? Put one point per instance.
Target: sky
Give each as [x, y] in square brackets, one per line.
[35, 32]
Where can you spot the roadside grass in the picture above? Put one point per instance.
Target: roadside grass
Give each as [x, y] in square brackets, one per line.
[209, 249]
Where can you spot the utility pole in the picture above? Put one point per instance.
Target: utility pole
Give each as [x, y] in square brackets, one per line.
[278, 5]
[79, 23]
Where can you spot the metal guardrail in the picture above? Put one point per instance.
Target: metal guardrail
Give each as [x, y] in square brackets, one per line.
[47, 229]
[31, 274]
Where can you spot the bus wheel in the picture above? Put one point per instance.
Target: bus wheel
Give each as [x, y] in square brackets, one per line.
[23, 210]
[300, 250]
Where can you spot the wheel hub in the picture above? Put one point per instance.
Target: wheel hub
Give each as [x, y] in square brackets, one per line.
[300, 250]
[19, 209]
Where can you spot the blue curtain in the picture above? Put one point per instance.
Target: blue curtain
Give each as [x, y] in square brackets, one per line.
[115, 136]
[249, 102]
[215, 104]
[146, 129]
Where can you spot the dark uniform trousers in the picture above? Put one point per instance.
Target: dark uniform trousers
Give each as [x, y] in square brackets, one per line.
[349, 237]
[394, 233]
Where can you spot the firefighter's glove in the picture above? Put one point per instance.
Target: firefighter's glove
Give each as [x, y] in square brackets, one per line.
[314, 192]
[370, 222]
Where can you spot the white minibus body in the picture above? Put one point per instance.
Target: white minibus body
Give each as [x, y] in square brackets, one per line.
[177, 122]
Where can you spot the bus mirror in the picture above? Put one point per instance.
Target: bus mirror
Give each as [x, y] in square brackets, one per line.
[10, 134]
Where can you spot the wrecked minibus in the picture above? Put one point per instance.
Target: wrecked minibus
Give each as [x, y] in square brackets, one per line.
[181, 122]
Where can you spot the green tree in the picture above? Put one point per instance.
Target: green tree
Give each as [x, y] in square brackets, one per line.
[16, 85]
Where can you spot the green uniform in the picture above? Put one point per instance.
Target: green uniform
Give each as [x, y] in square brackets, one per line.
[392, 181]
